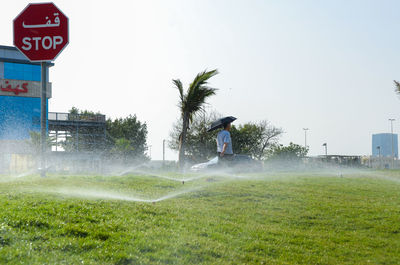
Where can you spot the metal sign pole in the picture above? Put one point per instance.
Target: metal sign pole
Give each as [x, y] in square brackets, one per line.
[163, 152]
[43, 120]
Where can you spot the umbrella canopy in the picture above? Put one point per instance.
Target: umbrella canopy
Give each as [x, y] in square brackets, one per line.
[220, 123]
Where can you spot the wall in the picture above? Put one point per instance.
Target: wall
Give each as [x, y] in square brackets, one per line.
[19, 115]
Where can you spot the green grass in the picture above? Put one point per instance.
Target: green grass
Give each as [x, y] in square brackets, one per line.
[290, 218]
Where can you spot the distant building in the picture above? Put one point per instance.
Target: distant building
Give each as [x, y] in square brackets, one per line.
[20, 91]
[382, 145]
[20, 116]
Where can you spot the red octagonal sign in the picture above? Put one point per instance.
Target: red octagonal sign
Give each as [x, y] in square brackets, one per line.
[41, 32]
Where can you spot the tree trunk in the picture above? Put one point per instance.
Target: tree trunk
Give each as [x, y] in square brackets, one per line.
[182, 139]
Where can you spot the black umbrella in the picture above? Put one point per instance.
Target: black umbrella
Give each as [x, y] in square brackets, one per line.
[220, 123]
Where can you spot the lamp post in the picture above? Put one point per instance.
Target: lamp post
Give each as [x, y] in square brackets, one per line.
[305, 137]
[379, 156]
[163, 151]
[326, 151]
[391, 127]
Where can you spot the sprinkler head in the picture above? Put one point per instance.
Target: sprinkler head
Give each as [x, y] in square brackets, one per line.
[42, 172]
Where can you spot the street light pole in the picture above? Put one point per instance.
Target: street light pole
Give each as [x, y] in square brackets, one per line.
[43, 119]
[163, 151]
[326, 151]
[305, 137]
[391, 126]
[379, 156]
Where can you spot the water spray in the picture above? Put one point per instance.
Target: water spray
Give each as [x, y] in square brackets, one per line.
[98, 194]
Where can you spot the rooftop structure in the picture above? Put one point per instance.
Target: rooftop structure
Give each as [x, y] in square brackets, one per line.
[77, 132]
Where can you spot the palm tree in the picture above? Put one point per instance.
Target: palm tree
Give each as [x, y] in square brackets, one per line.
[191, 102]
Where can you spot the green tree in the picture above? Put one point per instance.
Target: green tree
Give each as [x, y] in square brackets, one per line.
[84, 139]
[123, 149]
[292, 152]
[200, 144]
[125, 137]
[191, 102]
[35, 142]
[255, 138]
[128, 135]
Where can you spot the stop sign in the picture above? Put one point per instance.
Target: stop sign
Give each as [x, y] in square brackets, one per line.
[41, 32]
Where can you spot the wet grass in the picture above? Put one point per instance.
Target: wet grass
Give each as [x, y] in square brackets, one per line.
[263, 219]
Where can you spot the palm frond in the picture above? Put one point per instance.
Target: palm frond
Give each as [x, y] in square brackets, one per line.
[197, 93]
[198, 99]
[201, 78]
[397, 86]
[179, 86]
[198, 90]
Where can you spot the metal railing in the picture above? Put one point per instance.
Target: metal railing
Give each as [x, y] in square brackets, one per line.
[59, 116]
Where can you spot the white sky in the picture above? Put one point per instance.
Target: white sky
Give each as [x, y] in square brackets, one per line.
[325, 65]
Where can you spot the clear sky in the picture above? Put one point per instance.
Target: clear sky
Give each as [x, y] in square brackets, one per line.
[325, 65]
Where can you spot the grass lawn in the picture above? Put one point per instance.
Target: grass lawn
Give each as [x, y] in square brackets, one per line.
[291, 218]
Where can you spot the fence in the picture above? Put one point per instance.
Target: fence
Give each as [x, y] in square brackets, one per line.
[59, 116]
